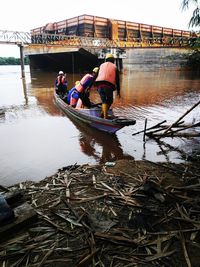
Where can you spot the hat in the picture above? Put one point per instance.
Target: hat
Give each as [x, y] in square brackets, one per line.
[61, 72]
[109, 56]
[95, 70]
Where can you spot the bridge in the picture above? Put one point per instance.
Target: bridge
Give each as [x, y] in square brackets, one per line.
[90, 37]
[26, 39]
[14, 37]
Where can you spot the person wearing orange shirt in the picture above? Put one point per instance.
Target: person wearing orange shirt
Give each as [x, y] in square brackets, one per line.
[107, 82]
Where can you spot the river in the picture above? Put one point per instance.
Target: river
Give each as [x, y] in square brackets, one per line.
[36, 138]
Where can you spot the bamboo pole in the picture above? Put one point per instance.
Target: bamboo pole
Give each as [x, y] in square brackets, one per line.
[185, 128]
[188, 111]
[171, 134]
[175, 131]
[165, 127]
[152, 127]
[145, 128]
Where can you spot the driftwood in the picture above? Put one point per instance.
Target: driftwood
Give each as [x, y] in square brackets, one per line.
[188, 111]
[163, 127]
[176, 129]
[109, 220]
[179, 132]
[174, 133]
[152, 127]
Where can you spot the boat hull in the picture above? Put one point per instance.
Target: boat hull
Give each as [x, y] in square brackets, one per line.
[92, 117]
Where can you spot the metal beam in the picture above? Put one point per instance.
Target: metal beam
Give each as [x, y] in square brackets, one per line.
[14, 37]
[25, 38]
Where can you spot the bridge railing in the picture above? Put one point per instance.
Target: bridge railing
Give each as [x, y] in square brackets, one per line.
[14, 37]
[25, 38]
[67, 40]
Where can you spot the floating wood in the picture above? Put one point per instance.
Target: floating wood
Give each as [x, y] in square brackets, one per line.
[152, 127]
[188, 111]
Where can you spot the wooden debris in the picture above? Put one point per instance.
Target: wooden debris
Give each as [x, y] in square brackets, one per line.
[150, 128]
[109, 219]
[179, 119]
[176, 129]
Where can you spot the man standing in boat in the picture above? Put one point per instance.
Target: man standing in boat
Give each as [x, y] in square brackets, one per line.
[61, 84]
[79, 95]
[107, 82]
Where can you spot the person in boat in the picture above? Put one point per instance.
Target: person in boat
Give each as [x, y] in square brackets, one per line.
[107, 81]
[61, 84]
[78, 96]
[67, 96]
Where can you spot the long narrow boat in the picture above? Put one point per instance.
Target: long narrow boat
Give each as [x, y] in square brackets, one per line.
[91, 116]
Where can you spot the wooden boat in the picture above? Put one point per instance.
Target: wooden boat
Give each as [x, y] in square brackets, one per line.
[91, 116]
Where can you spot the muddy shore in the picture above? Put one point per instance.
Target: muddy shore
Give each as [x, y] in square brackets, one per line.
[135, 213]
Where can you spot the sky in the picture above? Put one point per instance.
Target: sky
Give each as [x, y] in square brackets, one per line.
[23, 15]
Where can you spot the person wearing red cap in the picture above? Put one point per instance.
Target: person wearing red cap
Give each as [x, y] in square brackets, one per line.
[61, 84]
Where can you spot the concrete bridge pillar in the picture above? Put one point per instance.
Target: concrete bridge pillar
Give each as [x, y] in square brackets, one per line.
[21, 47]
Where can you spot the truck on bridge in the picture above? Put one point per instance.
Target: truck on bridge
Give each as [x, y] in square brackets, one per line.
[78, 43]
[112, 29]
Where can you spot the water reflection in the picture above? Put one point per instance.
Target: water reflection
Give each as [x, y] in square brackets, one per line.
[152, 88]
[153, 95]
[98, 145]
[41, 79]
[36, 138]
[24, 83]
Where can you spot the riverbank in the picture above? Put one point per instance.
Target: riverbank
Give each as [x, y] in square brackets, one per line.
[135, 213]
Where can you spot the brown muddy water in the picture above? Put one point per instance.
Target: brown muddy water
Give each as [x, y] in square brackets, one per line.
[36, 138]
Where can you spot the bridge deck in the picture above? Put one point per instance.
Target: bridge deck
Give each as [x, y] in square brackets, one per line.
[93, 31]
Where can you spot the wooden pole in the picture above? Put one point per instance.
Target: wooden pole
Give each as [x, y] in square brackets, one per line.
[121, 63]
[169, 128]
[185, 128]
[145, 127]
[25, 91]
[21, 47]
[152, 127]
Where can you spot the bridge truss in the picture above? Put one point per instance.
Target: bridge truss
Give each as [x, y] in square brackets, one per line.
[25, 38]
[92, 42]
[14, 37]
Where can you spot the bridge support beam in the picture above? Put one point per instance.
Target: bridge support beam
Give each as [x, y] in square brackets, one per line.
[119, 63]
[21, 47]
[76, 60]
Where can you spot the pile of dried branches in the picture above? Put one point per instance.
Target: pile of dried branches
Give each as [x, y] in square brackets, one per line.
[90, 217]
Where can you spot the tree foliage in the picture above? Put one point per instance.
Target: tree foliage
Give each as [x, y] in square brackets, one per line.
[12, 61]
[193, 60]
[195, 19]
